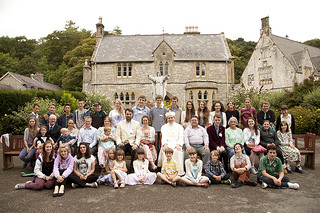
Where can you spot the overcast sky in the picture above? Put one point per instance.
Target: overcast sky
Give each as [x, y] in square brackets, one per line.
[38, 18]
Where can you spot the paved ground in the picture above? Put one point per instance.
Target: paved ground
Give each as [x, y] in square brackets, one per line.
[163, 198]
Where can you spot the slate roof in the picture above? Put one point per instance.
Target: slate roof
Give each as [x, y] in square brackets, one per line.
[31, 82]
[139, 48]
[293, 50]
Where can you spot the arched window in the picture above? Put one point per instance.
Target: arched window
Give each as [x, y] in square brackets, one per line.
[199, 95]
[119, 69]
[203, 69]
[205, 95]
[116, 96]
[191, 95]
[197, 69]
[166, 68]
[121, 96]
[133, 97]
[161, 68]
[127, 97]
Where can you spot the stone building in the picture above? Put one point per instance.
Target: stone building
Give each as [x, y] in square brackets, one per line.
[200, 66]
[277, 63]
[14, 81]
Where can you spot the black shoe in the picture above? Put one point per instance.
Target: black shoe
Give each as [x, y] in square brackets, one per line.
[299, 169]
[249, 183]
[237, 184]
[289, 170]
[55, 195]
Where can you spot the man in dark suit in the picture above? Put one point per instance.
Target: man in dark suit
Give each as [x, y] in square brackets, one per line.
[217, 139]
[53, 128]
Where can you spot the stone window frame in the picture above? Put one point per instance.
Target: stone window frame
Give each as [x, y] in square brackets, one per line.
[265, 75]
[126, 97]
[164, 68]
[264, 52]
[250, 80]
[124, 70]
[200, 69]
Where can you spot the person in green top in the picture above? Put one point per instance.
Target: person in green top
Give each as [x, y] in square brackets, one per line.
[269, 166]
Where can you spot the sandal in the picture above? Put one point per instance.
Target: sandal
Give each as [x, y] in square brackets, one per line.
[115, 185]
[122, 185]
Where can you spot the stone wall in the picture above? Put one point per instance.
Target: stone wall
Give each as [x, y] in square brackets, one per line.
[10, 81]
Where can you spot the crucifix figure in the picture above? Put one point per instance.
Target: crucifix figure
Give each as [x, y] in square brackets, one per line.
[159, 84]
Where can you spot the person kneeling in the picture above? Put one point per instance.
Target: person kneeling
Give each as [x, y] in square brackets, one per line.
[240, 165]
[169, 170]
[194, 171]
[268, 166]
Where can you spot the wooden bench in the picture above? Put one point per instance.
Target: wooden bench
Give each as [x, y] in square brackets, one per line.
[16, 144]
[307, 148]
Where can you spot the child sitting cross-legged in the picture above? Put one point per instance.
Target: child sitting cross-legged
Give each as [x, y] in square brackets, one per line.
[215, 171]
[169, 170]
[269, 166]
[194, 171]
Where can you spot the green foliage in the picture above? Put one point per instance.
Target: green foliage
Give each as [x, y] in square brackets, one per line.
[242, 51]
[312, 99]
[7, 63]
[254, 95]
[306, 119]
[16, 98]
[68, 98]
[92, 98]
[313, 42]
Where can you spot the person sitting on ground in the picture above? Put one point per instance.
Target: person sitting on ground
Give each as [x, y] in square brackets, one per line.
[215, 171]
[233, 135]
[62, 168]
[289, 151]
[169, 170]
[218, 108]
[65, 138]
[240, 165]
[106, 177]
[83, 170]
[252, 139]
[269, 166]
[194, 171]
[27, 153]
[141, 174]
[52, 111]
[119, 169]
[43, 170]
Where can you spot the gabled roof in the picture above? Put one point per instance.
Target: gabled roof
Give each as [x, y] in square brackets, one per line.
[188, 47]
[293, 50]
[31, 82]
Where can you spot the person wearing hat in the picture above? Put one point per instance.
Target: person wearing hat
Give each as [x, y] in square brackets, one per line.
[172, 137]
[98, 115]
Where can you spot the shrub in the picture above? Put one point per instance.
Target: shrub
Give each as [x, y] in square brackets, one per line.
[306, 119]
[70, 99]
[312, 99]
[92, 98]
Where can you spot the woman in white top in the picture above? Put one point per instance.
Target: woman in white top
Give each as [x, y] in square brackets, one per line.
[251, 136]
[73, 131]
[117, 114]
[217, 108]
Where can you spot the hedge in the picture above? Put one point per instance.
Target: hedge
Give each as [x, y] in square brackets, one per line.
[12, 100]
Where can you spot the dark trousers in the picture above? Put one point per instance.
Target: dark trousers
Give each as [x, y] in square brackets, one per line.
[128, 149]
[269, 181]
[224, 158]
[64, 181]
[215, 181]
[82, 183]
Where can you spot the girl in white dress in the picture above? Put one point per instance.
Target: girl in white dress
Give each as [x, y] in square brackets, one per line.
[106, 178]
[141, 174]
[119, 169]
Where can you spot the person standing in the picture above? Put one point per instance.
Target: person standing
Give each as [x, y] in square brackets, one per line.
[98, 115]
[141, 109]
[63, 119]
[34, 113]
[176, 109]
[80, 114]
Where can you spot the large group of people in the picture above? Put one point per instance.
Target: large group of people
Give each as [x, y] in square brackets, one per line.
[194, 147]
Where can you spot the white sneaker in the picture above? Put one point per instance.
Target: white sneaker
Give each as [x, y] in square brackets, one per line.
[74, 185]
[264, 185]
[293, 186]
[253, 170]
[29, 181]
[94, 185]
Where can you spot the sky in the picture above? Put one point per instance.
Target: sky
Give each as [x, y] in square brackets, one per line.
[38, 18]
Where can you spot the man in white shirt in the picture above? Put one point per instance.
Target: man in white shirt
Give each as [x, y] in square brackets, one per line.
[88, 134]
[172, 137]
[128, 135]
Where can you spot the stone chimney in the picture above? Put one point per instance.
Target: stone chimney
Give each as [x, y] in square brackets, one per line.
[191, 30]
[100, 31]
[38, 77]
[265, 27]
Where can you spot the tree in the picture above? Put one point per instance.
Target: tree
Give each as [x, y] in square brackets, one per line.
[242, 51]
[313, 42]
[7, 63]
